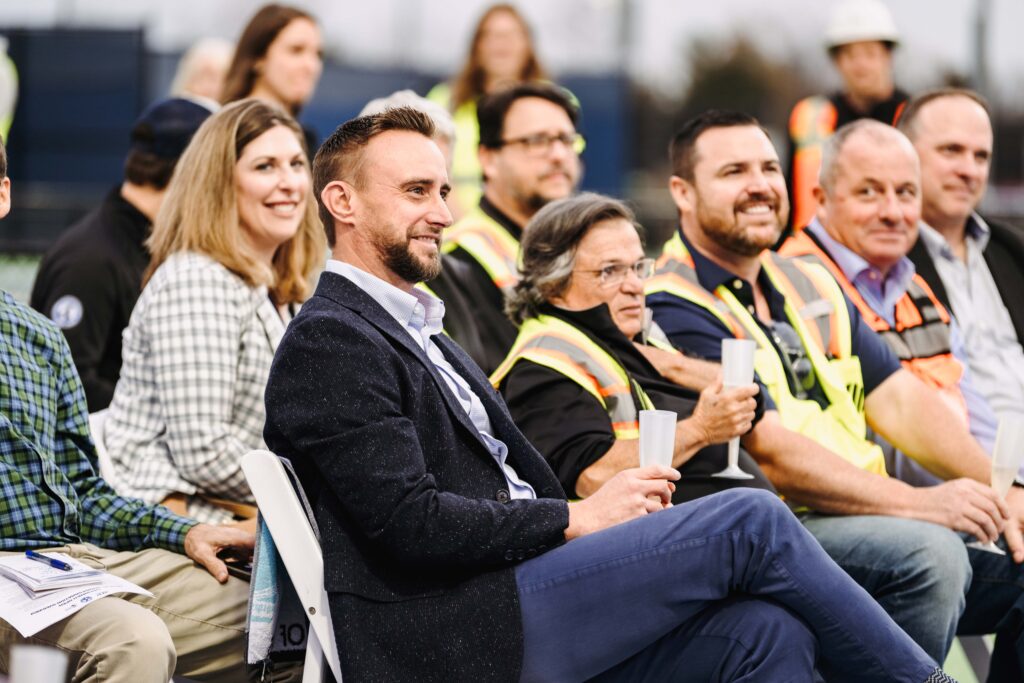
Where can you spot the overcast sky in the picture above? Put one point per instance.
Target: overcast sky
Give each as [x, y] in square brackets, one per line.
[577, 35]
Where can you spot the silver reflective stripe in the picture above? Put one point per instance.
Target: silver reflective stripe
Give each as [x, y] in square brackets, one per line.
[815, 309]
[620, 407]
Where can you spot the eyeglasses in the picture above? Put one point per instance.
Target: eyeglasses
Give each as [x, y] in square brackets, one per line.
[615, 273]
[540, 144]
[798, 364]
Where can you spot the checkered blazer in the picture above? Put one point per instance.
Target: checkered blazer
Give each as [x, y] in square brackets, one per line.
[189, 403]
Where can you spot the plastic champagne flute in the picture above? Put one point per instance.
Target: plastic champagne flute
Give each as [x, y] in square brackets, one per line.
[1006, 460]
[657, 437]
[737, 370]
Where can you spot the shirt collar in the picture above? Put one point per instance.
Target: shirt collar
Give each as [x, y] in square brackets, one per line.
[419, 310]
[854, 266]
[976, 231]
[710, 275]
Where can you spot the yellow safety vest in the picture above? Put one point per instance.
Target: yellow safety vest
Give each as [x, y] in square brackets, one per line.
[816, 309]
[466, 180]
[487, 241]
[555, 344]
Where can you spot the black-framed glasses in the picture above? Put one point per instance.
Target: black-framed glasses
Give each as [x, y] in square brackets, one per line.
[540, 144]
[615, 273]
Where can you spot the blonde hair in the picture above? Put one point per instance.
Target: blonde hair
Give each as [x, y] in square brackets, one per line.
[200, 211]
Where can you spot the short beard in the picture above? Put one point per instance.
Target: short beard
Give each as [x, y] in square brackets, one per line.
[399, 259]
[730, 237]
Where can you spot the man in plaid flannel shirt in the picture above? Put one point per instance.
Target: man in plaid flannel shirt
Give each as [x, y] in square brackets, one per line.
[52, 497]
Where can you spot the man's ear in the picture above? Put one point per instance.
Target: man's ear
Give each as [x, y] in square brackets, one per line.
[337, 199]
[682, 192]
[5, 196]
[822, 201]
[488, 159]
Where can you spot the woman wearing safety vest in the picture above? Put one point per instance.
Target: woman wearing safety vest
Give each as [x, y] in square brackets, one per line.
[584, 363]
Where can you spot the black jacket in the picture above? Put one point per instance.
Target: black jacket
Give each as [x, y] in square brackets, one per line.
[483, 301]
[93, 275]
[1004, 255]
[418, 532]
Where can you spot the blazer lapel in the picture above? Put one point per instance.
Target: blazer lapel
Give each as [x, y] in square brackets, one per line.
[355, 299]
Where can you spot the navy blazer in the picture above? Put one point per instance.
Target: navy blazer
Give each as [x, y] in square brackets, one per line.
[418, 531]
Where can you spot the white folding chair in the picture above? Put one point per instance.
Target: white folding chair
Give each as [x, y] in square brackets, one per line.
[286, 519]
[97, 424]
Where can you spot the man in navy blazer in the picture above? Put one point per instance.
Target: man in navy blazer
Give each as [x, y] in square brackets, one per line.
[450, 553]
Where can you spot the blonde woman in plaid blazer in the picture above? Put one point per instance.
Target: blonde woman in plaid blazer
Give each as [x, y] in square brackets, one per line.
[234, 248]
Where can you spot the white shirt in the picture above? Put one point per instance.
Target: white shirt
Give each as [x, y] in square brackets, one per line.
[422, 316]
[994, 355]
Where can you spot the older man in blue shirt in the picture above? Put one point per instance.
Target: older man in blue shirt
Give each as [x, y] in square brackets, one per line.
[862, 234]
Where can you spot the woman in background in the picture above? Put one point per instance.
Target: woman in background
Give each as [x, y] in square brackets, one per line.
[501, 54]
[278, 59]
[234, 248]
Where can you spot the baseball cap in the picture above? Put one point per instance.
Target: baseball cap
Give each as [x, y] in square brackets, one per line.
[166, 127]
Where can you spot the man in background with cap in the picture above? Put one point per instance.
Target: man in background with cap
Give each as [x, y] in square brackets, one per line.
[860, 39]
[90, 279]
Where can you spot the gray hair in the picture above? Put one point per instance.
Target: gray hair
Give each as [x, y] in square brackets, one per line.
[548, 249]
[833, 147]
[444, 125]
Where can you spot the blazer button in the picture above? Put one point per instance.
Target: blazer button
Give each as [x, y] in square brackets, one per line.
[520, 555]
[509, 555]
[502, 496]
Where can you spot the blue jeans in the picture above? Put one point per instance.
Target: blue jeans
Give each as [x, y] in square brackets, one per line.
[917, 571]
[629, 602]
[995, 604]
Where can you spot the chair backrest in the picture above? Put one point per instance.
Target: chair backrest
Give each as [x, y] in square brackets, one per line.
[293, 536]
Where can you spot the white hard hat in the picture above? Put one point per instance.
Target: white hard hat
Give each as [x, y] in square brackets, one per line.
[854, 21]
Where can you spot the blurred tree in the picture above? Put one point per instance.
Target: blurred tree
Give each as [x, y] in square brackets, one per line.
[735, 74]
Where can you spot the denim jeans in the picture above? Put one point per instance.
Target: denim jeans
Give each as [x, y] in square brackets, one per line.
[995, 604]
[631, 598]
[917, 571]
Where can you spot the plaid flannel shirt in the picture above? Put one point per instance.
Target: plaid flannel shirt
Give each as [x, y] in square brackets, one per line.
[50, 491]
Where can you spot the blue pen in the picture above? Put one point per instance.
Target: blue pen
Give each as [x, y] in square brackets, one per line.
[56, 564]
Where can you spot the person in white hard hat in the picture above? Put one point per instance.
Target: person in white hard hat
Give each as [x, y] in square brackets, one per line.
[860, 39]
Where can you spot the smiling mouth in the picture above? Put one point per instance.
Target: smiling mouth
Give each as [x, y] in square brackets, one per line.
[757, 208]
[283, 209]
[434, 241]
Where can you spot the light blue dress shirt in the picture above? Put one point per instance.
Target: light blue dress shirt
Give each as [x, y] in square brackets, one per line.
[422, 316]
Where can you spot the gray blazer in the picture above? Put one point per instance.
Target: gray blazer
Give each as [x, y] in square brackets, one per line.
[189, 403]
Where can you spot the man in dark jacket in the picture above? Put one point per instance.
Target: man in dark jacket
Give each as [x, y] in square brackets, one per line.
[450, 553]
[975, 267]
[91, 277]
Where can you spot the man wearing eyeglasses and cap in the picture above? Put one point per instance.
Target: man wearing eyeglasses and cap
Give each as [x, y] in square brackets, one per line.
[829, 376]
[529, 155]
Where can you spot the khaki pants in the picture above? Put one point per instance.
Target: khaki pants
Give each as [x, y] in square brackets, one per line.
[192, 627]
